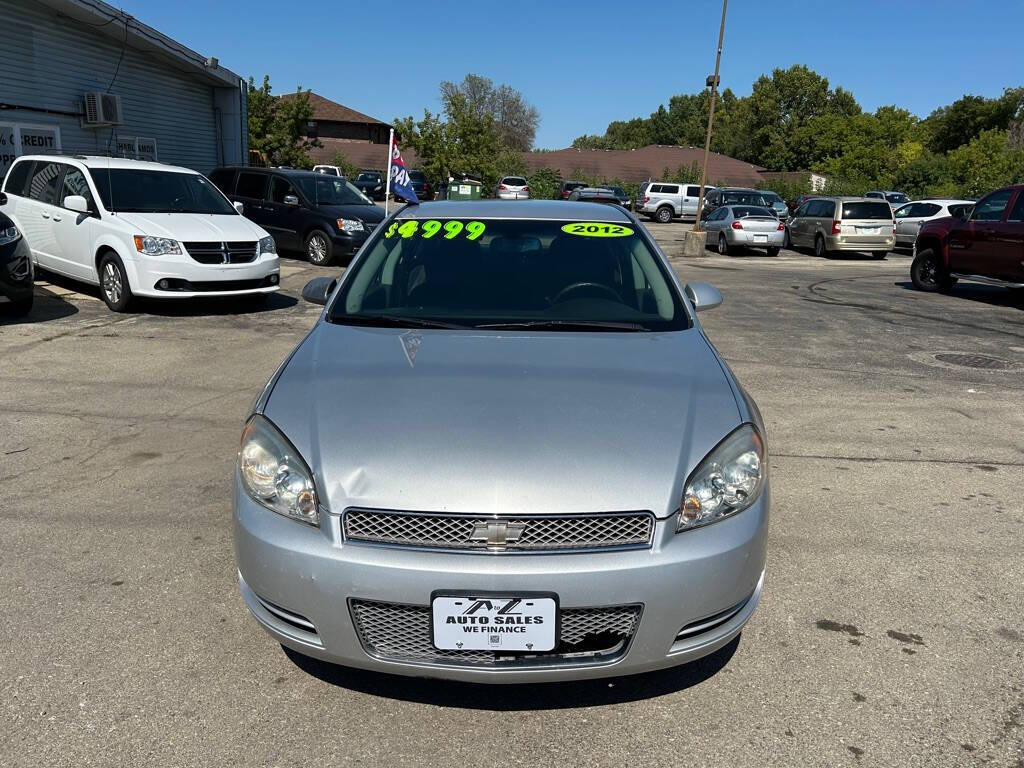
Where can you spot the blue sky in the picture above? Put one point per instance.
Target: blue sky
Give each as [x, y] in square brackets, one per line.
[580, 63]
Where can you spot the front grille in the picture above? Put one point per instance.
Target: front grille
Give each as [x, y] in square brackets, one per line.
[402, 633]
[622, 530]
[222, 253]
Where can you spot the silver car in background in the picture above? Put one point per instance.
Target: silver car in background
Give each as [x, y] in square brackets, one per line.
[907, 219]
[506, 452]
[512, 188]
[750, 226]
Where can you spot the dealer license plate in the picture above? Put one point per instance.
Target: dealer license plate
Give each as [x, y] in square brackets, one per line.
[487, 623]
[760, 238]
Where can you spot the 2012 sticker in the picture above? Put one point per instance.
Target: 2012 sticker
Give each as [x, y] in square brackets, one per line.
[449, 230]
[596, 229]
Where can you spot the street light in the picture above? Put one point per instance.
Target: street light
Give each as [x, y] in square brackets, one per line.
[712, 83]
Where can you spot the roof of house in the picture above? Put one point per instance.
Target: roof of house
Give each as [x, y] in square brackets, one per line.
[107, 20]
[644, 163]
[362, 153]
[332, 111]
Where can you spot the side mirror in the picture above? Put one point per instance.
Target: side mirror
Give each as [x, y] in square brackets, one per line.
[76, 203]
[703, 295]
[319, 289]
[291, 200]
[240, 207]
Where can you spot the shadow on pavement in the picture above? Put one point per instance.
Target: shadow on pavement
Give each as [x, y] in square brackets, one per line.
[46, 306]
[986, 294]
[241, 305]
[522, 696]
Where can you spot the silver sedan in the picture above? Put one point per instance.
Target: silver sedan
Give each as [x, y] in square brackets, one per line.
[733, 226]
[512, 188]
[506, 452]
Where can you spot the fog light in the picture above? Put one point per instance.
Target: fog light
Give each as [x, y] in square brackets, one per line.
[163, 285]
[273, 279]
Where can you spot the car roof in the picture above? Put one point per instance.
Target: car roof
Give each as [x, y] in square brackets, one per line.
[100, 162]
[554, 210]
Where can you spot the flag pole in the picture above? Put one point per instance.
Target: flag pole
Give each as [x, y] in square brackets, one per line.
[387, 183]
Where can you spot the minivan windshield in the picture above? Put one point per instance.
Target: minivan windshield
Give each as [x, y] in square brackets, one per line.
[331, 190]
[368, 176]
[744, 198]
[510, 274]
[133, 190]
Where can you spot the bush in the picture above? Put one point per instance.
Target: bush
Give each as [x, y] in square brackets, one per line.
[348, 169]
[544, 184]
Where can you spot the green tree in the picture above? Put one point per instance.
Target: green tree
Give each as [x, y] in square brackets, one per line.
[464, 139]
[515, 119]
[966, 118]
[348, 169]
[545, 183]
[278, 126]
[985, 163]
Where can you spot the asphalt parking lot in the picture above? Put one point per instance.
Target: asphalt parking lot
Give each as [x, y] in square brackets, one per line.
[890, 633]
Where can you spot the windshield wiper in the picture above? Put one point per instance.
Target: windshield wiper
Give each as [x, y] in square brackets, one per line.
[394, 321]
[564, 325]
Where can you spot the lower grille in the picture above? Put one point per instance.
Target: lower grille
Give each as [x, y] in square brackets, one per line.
[627, 530]
[222, 253]
[402, 633]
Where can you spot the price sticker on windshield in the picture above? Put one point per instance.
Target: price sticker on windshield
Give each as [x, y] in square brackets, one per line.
[596, 229]
[446, 230]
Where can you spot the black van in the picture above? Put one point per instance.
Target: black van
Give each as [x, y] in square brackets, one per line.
[325, 216]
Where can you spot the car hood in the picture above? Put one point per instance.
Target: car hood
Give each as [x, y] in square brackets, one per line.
[502, 422]
[369, 214]
[194, 226]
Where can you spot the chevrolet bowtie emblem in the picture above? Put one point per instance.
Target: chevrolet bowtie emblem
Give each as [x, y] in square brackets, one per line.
[497, 534]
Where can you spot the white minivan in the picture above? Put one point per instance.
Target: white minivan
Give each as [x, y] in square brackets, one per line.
[136, 228]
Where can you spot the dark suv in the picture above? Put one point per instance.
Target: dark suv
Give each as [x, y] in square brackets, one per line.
[323, 215]
[985, 246]
[371, 184]
[733, 196]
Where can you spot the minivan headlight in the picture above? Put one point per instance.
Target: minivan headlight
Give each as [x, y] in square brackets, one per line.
[9, 235]
[267, 245]
[156, 246]
[350, 225]
[273, 473]
[727, 481]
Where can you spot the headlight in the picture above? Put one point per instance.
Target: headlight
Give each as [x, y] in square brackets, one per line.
[156, 246]
[727, 481]
[350, 225]
[274, 474]
[267, 245]
[9, 235]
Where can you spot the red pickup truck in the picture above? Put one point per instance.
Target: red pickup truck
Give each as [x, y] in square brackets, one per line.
[985, 247]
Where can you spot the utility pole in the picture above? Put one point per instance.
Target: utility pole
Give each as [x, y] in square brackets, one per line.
[713, 82]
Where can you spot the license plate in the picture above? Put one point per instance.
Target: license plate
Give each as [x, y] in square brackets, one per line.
[760, 238]
[869, 230]
[488, 623]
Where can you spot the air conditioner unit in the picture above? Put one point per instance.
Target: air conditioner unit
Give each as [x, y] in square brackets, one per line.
[102, 109]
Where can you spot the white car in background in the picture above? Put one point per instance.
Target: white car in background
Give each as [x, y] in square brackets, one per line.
[907, 219]
[512, 188]
[137, 229]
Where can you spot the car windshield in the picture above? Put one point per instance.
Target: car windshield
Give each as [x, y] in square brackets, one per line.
[510, 274]
[771, 198]
[897, 198]
[867, 210]
[327, 190]
[132, 190]
[368, 177]
[743, 211]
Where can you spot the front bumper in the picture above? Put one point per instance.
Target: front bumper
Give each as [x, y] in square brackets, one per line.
[313, 574]
[16, 271]
[347, 244]
[182, 272]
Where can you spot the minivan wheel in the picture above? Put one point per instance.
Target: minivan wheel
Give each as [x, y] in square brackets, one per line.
[114, 288]
[664, 214]
[318, 248]
[773, 251]
[819, 247]
[879, 254]
[723, 244]
[928, 273]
